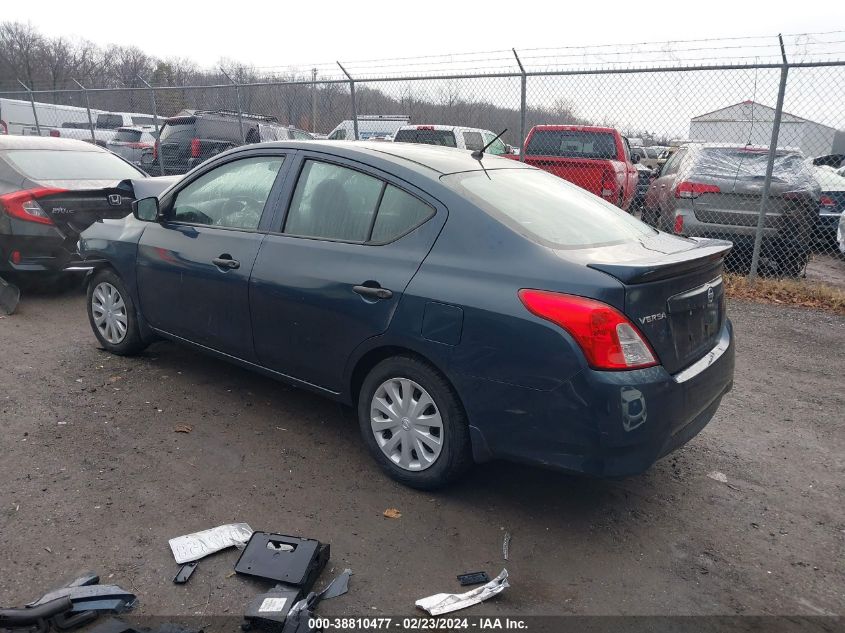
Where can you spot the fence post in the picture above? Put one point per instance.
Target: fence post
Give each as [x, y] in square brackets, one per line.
[767, 183]
[155, 122]
[522, 107]
[314, 100]
[352, 96]
[88, 110]
[240, 109]
[34, 111]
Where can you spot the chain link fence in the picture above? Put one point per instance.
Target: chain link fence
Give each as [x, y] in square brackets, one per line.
[750, 151]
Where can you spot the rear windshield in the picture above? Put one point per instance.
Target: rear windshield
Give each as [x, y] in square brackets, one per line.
[143, 120]
[547, 209]
[41, 164]
[109, 121]
[426, 137]
[724, 162]
[127, 136]
[178, 131]
[572, 144]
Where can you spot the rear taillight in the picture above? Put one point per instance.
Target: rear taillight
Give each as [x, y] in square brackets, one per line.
[139, 146]
[606, 336]
[425, 127]
[195, 148]
[678, 228]
[23, 205]
[827, 203]
[608, 185]
[55, 133]
[687, 189]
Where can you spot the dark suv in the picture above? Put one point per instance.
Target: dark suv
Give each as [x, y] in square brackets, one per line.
[193, 136]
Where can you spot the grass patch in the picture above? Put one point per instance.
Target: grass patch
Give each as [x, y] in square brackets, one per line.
[801, 293]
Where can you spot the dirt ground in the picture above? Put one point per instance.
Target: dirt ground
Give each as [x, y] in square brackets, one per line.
[94, 477]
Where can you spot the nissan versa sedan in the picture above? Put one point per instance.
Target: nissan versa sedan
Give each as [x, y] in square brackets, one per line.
[469, 309]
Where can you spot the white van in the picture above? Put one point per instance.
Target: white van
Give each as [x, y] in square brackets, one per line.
[453, 136]
[16, 116]
[370, 127]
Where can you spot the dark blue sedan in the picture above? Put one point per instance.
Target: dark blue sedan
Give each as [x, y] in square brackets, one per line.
[469, 309]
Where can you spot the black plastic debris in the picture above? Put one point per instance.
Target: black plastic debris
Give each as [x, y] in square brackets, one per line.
[337, 587]
[473, 578]
[184, 573]
[9, 297]
[285, 559]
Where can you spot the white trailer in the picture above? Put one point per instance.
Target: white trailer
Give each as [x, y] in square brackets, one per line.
[17, 117]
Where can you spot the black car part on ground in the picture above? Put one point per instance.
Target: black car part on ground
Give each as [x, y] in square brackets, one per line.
[37, 618]
[184, 573]
[9, 297]
[473, 578]
[285, 559]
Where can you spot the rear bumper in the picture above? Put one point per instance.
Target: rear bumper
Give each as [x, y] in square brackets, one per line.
[774, 242]
[600, 423]
[39, 254]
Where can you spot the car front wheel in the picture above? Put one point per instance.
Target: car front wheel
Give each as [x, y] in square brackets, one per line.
[111, 313]
[413, 423]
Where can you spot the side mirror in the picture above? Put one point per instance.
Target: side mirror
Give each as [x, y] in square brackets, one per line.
[146, 209]
[635, 158]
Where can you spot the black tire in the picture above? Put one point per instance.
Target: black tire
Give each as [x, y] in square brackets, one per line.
[455, 455]
[132, 342]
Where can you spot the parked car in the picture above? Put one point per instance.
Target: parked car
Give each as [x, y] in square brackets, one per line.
[644, 178]
[647, 156]
[832, 202]
[369, 125]
[106, 126]
[51, 190]
[840, 234]
[453, 136]
[715, 190]
[467, 309]
[597, 159]
[132, 143]
[193, 136]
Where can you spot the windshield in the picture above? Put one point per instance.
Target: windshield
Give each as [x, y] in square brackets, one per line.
[426, 137]
[40, 164]
[572, 144]
[723, 162]
[547, 209]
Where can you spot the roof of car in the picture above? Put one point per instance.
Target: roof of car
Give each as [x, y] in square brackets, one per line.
[443, 160]
[46, 142]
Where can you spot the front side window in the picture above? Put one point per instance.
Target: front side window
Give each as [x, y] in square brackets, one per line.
[230, 196]
[673, 163]
[497, 147]
[299, 135]
[547, 209]
[333, 202]
[338, 135]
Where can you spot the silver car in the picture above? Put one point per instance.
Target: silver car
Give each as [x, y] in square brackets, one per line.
[715, 190]
[130, 143]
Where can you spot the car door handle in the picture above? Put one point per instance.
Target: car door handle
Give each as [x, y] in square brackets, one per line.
[226, 261]
[372, 292]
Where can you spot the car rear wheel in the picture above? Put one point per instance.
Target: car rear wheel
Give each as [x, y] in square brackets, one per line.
[111, 313]
[413, 423]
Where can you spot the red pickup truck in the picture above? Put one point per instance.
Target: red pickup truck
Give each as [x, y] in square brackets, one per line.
[597, 159]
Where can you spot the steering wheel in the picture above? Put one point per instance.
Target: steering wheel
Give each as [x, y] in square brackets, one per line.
[236, 207]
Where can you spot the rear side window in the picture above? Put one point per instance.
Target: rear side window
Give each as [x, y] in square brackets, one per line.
[231, 196]
[473, 141]
[573, 144]
[398, 213]
[426, 137]
[547, 209]
[333, 202]
[42, 165]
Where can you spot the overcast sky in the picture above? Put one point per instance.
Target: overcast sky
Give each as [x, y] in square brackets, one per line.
[279, 33]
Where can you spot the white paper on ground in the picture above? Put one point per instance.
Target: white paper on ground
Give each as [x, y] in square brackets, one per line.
[447, 602]
[199, 544]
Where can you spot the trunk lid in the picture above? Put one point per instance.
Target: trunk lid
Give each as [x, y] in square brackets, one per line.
[674, 292]
[81, 203]
[586, 173]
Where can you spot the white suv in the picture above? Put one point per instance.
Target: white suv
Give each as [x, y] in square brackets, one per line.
[452, 136]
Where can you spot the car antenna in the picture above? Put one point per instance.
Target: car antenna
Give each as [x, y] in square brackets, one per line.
[479, 153]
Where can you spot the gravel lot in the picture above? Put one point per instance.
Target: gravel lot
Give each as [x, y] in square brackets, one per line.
[94, 477]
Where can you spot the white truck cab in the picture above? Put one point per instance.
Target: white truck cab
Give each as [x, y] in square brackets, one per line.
[370, 127]
[453, 136]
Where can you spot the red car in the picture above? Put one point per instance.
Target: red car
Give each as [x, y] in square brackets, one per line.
[597, 159]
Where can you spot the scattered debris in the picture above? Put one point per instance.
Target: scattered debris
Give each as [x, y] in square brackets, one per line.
[266, 558]
[9, 297]
[506, 545]
[185, 572]
[182, 428]
[270, 610]
[717, 476]
[473, 578]
[337, 587]
[447, 602]
[392, 513]
[200, 544]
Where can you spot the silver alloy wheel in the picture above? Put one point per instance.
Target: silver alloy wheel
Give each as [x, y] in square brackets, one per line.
[109, 312]
[406, 424]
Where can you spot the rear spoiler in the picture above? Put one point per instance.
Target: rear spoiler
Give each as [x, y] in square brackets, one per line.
[706, 254]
